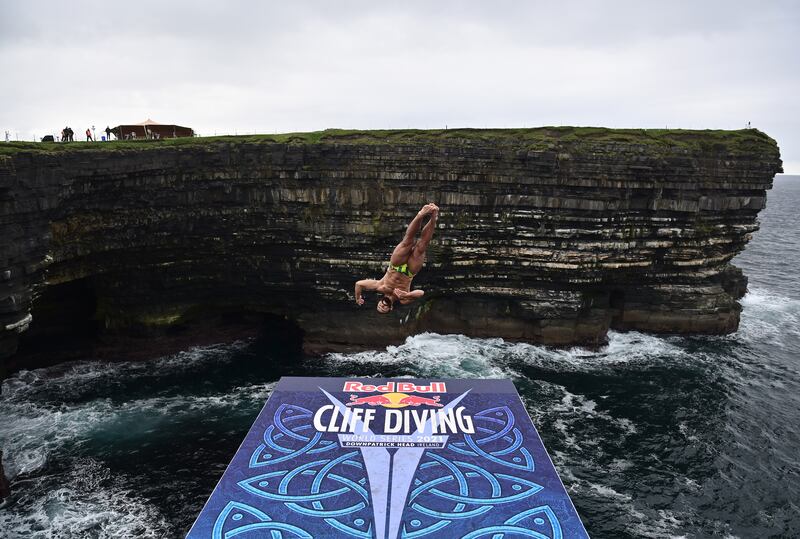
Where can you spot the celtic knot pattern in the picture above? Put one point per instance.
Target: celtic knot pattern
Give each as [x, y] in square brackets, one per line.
[239, 518]
[500, 441]
[455, 485]
[296, 473]
[539, 523]
[290, 436]
[488, 475]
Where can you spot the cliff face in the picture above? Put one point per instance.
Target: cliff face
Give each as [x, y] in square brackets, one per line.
[546, 235]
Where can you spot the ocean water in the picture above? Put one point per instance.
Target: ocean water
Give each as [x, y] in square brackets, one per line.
[653, 437]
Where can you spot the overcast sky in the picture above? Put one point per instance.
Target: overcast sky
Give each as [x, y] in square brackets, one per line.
[245, 66]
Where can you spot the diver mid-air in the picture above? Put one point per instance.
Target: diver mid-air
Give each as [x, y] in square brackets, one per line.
[407, 260]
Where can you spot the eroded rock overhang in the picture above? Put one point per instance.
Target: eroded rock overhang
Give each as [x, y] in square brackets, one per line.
[550, 235]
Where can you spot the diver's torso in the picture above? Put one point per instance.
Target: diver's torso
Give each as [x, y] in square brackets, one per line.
[393, 279]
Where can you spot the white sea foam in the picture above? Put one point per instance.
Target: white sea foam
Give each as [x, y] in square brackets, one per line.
[87, 503]
[769, 317]
[74, 377]
[659, 524]
[458, 356]
[564, 406]
[608, 492]
[630, 513]
[629, 350]
[196, 356]
[441, 356]
[31, 431]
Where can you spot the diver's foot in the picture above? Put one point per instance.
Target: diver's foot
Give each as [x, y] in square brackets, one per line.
[428, 208]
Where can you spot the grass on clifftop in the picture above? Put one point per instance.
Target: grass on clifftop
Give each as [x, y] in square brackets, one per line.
[743, 141]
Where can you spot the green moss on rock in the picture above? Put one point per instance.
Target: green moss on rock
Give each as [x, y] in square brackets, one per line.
[731, 142]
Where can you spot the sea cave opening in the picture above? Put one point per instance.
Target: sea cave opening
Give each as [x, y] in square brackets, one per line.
[63, 325]
[66, 327]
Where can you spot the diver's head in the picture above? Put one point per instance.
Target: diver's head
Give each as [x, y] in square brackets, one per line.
[385, 305]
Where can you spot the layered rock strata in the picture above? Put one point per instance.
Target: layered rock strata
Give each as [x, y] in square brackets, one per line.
[550, 235]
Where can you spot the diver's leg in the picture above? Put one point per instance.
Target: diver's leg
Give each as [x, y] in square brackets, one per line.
[417, 258]
[403, 250]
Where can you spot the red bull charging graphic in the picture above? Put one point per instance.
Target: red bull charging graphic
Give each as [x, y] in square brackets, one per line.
[390, 459]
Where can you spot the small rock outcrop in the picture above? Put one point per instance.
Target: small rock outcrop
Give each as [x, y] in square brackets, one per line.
[550, 235]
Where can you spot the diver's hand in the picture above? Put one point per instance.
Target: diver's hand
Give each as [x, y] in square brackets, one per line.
[360, 300]
[399, 294]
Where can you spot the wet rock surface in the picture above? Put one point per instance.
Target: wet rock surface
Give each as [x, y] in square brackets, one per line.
[554, 242]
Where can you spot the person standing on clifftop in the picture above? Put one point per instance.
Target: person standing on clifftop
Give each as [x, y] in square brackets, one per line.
[88, 135]
[406, 261]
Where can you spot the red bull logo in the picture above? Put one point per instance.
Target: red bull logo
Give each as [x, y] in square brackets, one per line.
[394, 400]
[395, 394]
[372, 400]
[414, 400]
[395, 387]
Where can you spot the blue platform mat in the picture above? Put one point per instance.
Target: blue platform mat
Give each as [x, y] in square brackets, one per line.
[390, 458]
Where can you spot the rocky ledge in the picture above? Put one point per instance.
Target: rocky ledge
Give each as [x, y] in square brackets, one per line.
[550, 235]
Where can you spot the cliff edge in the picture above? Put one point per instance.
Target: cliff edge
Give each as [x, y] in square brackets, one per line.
[550, 235]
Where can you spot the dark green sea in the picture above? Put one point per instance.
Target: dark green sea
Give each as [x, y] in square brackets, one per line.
[653, 436]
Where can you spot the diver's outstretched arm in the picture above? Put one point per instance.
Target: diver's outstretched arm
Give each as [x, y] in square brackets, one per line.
[365, 284]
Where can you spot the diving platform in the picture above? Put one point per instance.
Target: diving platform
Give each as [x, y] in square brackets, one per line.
[388, 459]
